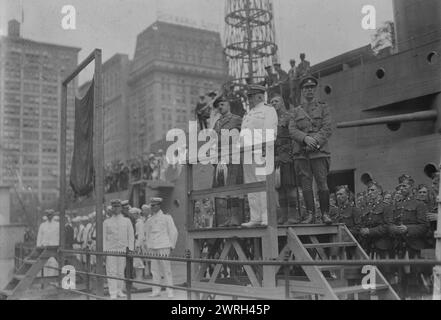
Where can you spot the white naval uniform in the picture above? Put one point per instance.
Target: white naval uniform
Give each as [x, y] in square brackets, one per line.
[118, 235]
[139, 241]
[48, 236]
[262, 117]
[161, 235]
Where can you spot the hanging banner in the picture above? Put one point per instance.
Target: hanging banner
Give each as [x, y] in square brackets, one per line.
[82, 170]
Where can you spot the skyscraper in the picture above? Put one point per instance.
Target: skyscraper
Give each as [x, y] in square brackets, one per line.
[173, 64]
[30, 83]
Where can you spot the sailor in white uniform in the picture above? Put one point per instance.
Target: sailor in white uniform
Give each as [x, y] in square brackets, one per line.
[118, 235]
[161, 235]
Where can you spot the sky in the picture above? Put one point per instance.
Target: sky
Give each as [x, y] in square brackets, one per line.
[320, 28]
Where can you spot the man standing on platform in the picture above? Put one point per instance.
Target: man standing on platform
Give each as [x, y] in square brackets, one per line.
[310, 128]
[288, 204]
[304, 67]
[283, 83]
[293, 84]
[118, 235]
[263, 118]
[161, 236]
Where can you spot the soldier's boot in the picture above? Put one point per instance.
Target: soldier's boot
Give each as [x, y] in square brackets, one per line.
[324, 206]
[282, 212]
[308, 218]
[308, 197]
[293, 213]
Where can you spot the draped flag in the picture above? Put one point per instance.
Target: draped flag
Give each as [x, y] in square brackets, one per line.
[82, 170]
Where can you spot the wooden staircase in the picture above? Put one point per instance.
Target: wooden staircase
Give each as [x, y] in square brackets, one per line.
[27, 273]
[332, 282]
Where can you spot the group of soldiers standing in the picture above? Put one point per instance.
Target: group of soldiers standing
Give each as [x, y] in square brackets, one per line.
[393, 226]
[387, 225]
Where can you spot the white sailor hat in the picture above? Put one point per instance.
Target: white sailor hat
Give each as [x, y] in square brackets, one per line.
[155, 201]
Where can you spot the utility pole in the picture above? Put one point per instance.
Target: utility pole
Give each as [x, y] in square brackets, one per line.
[437, 269]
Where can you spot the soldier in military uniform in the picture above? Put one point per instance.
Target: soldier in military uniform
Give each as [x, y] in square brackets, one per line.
[310, 128]
[262, 117]
[408, 180]
[227, 174]
[270, 82]
[289, 211]
[375, 221]
[345, 212]
[283, 83]
[408, 226]
[304, 67]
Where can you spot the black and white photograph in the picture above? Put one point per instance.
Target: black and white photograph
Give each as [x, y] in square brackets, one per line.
[241, 151]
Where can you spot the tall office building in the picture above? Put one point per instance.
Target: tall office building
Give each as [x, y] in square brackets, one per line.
[173, 64]
[116, 114]
[30, 85]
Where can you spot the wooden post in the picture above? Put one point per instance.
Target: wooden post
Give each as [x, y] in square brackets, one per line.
[270, 247]
[98, 129]
[189, 277]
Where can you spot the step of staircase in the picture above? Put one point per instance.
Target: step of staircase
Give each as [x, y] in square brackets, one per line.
[19, 277]
[6, 293]
[358, 289]
[330, 245]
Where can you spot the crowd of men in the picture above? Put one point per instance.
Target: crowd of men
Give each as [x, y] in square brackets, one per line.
[398, 224]
[146, 231]
[118, 174]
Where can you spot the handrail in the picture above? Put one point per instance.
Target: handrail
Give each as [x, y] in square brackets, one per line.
[392, 262]
[129, 256]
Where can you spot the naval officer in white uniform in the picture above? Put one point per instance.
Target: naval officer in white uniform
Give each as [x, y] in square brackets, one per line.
[263, 117]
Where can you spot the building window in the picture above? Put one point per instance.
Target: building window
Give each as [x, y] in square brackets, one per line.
[11, 122]
[50, 89]
[12, 85]
[30, 147]
[30, 135]
[12, 98]
[30, 172]
[49, 148]
[11, 133]
[30, 160]
[31, 87]
[31, 123]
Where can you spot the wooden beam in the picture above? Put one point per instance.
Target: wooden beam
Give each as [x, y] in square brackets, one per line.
[241, 291]
[62, 177]
[80, 67]
[232, 191]
[248, 269]
[99, 164]
[227, 233]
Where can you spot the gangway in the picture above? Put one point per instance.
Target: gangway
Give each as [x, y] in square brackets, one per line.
[301, 243]
[25, 276]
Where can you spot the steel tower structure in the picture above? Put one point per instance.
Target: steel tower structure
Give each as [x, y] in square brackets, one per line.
[249, 39]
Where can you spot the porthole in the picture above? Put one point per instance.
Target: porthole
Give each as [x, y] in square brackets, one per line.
[433, 57]
[380, 73]
[394, 126]
[328, 90]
